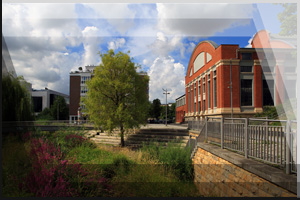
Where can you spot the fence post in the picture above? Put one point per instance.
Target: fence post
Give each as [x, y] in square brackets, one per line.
[246, 135]
[222, 132]
[288, 149]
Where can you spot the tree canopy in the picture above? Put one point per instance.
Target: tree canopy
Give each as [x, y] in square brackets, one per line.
[117, 94]
[288, 19]
[155, 110]
[16, 100]
[60, 106]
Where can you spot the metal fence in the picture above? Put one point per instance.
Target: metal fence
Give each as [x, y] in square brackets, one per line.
[192, 142]
[272, 141]
[196, 125]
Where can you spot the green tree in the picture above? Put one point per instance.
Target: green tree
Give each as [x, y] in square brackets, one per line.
[16, 100]
[172, 111]
[45, 115]
[60, 106]
[156, 106]
[117, 94]
[288, 19]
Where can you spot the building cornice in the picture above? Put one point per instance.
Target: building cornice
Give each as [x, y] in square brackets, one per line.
[227, 62]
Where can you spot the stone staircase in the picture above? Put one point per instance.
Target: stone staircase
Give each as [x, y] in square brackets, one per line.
[163, 136]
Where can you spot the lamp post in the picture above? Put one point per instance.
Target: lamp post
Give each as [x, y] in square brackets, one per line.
[166, 92]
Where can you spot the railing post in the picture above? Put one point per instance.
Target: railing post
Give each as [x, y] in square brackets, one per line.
[222, 132]
[246, 144]
[288, 149]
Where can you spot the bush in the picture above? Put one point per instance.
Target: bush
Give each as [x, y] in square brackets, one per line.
[54, 176]
[173, 158]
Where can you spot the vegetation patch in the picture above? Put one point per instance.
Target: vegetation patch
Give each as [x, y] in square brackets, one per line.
[65, 164]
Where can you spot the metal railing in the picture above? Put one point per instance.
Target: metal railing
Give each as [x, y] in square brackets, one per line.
[192, 143]
[272, 141]
[196, 125]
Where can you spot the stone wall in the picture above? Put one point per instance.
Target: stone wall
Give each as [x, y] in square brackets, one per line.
[216, 176]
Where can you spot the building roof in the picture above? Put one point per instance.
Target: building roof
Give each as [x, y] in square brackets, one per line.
[180, 97]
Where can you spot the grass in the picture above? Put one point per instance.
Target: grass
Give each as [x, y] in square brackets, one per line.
[104, 170]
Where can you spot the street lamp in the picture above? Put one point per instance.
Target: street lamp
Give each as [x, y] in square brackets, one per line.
[166, 93]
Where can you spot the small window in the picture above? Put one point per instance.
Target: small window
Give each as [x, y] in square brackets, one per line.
[246, 56]
[246, 68]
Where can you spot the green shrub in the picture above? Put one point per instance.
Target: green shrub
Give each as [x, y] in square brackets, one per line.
[173, 157]
[121, 165]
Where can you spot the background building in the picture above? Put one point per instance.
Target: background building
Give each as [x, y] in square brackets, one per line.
[225, 80]
[45, 98]
[78, 89]
[180, 109]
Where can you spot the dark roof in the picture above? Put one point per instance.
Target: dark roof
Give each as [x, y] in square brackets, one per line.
[180, 97]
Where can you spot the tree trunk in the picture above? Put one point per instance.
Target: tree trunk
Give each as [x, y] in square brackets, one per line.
[122, 136]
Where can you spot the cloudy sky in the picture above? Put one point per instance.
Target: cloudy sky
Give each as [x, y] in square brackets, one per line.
[47, 41]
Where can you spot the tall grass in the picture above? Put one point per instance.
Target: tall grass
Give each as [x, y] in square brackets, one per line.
[173, 157]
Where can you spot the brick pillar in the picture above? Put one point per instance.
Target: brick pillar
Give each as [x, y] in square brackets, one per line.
[257, 79]
[235, 85]
[211, 90]
[279, 84]
[197, 96]
[186, 99]
[206, 97]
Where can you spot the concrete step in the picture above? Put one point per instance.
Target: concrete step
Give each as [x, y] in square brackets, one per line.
[163, 133]
[138, 144]
[107, 137]
[141, 139]
[113, 141]
[158, 136]
[165, 130]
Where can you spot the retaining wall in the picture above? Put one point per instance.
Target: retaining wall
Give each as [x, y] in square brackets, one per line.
[222, 173]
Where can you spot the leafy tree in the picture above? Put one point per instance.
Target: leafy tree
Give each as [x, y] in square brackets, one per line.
[117, 94]
[45, 115]
[288, 19]
[172, 111]
[16, 100]
[60, 106]
[156, 107]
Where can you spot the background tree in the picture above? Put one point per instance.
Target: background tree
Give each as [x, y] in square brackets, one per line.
[45, 115]
[156, 108]
[117, 94]
[16, 100]
[172, 111]
[60, 106]
[288, 19]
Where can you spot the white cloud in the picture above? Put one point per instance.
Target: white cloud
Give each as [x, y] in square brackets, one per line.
[201, 19]
[165, 73]
[116, 44]
[91, 43]
[164, 45]
[118, 15]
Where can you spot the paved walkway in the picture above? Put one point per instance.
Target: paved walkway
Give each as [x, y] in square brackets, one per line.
[163, 126]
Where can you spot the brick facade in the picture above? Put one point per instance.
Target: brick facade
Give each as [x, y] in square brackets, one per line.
[74, 94]
[211, 63]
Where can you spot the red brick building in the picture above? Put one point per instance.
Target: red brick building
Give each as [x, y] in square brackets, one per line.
[256, 76]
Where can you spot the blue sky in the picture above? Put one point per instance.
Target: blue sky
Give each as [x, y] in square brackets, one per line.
[47, 41]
